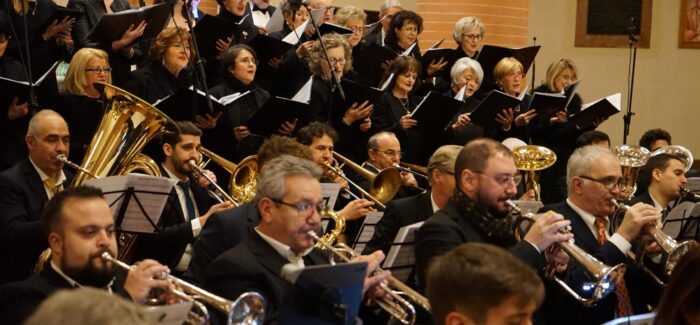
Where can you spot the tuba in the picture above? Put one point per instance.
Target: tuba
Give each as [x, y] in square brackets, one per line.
[530, 159]
[632, 158]
[604, 276]
[679, 152]
[382, 186]
[244, 176]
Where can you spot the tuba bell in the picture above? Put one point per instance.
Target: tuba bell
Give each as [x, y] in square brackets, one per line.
[244, 175]
[679, 152]
[531, 159]
[632, 158]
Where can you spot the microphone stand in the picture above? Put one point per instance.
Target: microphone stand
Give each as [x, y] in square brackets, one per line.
[30, 78]
[199, 72]
[532, 83]
[627, 119]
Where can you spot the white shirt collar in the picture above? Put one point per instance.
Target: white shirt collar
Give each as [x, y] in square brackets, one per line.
[657, 206]
[284, 250]
[61, 175]
[171, 175]
[433, 204]
[588, 218]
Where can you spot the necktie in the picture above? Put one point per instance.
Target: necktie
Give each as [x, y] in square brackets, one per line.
[48, 183]
[624, 307]
[185, 187]
[264, 11]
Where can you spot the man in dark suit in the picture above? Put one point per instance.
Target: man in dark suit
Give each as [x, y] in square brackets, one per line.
[407, 211]
[189, 206]
[260, 13]
[228, 228]
[289, 199]
[80, 228]
[594, 178]
[24, 190]
[486, 177]
[663, 176]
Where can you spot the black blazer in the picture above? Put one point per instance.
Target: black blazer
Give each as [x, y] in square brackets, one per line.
[449, 228]
[254, 265]
[22, 199]
[641, 289]
[223, 231]
[19, 300]
[398, 213]
[175, 232]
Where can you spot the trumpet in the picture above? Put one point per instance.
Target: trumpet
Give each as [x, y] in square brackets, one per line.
[400, 308]
[212, 183]
[605, 277]
[248, 308]
[670, 246]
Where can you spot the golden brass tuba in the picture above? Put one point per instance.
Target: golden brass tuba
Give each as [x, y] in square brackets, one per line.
[632, 158]
[244, 176]
[531, 159]
[605, 277]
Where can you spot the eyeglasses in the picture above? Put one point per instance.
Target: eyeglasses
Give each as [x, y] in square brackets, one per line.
[390, 152]
[515, 74]
[503, 179]
[473, 37]
[98, 70]
[304, 207]
[356, 29]
[248, 61]
[329, 9]
[410, 29]
[608, 182]
[335, 61]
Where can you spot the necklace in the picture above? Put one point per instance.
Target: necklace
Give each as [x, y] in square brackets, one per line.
[404, 104]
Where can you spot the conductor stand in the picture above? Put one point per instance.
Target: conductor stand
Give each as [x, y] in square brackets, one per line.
[199, 73]
[627, 118]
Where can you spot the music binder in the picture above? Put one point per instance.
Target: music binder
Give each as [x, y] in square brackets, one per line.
[210, 29]
[267, 48]
[484, 115]
[435, 53]
[112, 26]
[372, 28]
[277, 110]
[359, 93]
[602, 108]
[184, 104]
[328, 28]
[400, 259]
[490, 55]
[434, 113]
[370, 61]
[60, 14]
[10, 88]
[547, 104]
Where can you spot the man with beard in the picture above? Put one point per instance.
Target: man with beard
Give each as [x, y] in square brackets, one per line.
[486, 177]
[79, 226]
[188, 207]
[289, 201]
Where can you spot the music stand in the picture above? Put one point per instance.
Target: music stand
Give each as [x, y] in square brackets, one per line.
[683, 221]
[366, 231]
[401, 258]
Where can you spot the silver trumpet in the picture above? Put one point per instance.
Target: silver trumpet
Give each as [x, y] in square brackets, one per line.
[398, 307]
[62, 158]
[248, 308]
[218, 188]
[670, 246]
[605, 277]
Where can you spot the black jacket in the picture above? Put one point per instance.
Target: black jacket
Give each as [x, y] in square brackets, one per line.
[155, 82]
[13, 132]
[83, 115]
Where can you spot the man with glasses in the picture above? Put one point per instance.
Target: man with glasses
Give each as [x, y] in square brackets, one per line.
[594, 177]
[384, 151]
[289, 201]
[486, 177]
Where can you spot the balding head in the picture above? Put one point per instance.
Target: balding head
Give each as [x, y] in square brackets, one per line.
[47, 137]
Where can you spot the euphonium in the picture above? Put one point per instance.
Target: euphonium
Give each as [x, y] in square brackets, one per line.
[398, 307]
[679, 152]
[248, 308]
[605, 277]
[632, 158]
[244, 175]
[531, 159]
[382, 186]
[670, 246]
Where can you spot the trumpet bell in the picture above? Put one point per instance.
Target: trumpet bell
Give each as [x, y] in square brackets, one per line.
[676, 253]
[608, 277]
[248, 309]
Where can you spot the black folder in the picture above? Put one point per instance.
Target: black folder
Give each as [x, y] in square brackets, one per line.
[267, 47]
[434, 113]
[210, 29]
[370, 62]
[547, 104]
[10, 88]
[112, 26]
[602, 108]
[327, 28]
[184, 104]
[359, 93]
[60, 14]
[484, 115]
[431, 55]
[490, 55]
[273, 113]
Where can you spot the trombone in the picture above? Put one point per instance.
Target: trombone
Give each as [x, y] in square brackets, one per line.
[383, 185]
[212, 183]
[248, 308]
[400, 308]
[670, 246]
[419, 171]
[605, 277]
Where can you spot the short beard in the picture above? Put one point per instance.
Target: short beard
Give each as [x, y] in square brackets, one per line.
[88, 274]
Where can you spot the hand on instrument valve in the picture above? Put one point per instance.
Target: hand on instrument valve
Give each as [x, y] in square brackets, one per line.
[637, 217]
[524, 119]
[203, 181]
[287, 127]
[356, 209]
[529, 195]
[558, 258]
[357, 112]
[547, 231]
[406, 122]
[373, 280]
[408, 180]
[462, 121]
[142, 278]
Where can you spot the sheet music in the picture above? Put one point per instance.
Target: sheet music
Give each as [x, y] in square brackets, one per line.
[402, 249]
[366, 230]
[304, 94]
[152, 192]
[228, 99]
[317, 14]
[172, 314]
[275, 23]
[330, 193]
[460, 94]
[694, 184]
[387, 82]
[293, 37]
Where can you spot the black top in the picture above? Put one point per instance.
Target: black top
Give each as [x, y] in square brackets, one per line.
[13, 146]
[386, 117]
[469, 132]
[155, 82]
[83, 115]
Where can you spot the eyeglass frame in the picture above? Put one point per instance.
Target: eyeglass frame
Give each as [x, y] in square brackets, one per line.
[389, 152]
[619, 183]
[98, 70]
[516, 179]
[301, 208]
[473, 37]
[335, 61]
[248, 61]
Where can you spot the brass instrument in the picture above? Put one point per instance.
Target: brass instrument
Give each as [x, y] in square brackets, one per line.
[688, 195]
[338, 226]
[679, 152]
[531, 159]
[605, 277]
[383, 185]
[400, 308]
[200, 170]
[413, 169]
[244, 175]
[669, 246]
[248, 308]
[632, 158]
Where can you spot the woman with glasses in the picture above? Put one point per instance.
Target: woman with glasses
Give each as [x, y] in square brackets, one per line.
[80, 103]
[467, 73]
[468, 33]
[513, 121]
[354, 18]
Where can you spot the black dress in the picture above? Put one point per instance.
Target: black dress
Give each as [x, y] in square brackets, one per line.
[11, 132]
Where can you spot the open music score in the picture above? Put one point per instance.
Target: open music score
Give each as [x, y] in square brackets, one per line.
[366, 231]
[401, 257]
